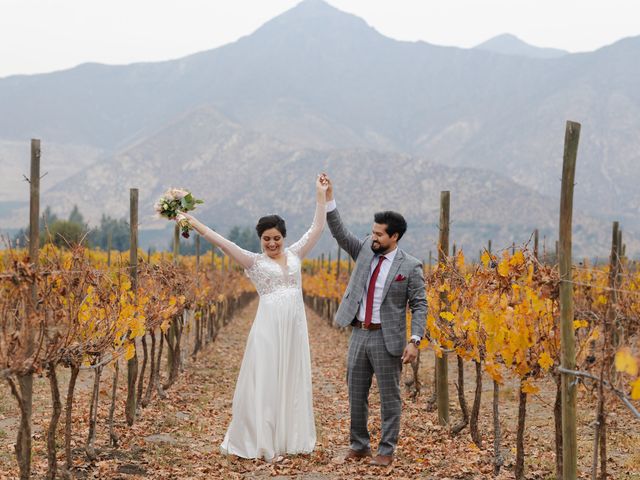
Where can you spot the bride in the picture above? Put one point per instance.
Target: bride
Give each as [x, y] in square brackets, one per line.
[273, 404]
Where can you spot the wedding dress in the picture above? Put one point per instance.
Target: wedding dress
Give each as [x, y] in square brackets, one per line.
[273, 403]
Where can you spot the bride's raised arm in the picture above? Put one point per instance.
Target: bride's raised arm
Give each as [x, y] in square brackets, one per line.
[311, 237]
[240, 255]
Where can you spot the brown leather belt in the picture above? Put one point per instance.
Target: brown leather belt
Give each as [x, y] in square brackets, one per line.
[358, 324]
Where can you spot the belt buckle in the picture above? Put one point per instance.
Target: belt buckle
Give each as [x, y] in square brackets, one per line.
[364, 326]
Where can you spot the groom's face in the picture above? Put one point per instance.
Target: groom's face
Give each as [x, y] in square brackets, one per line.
[381, 242]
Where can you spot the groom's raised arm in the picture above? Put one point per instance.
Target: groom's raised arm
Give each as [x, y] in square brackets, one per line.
[347, 240]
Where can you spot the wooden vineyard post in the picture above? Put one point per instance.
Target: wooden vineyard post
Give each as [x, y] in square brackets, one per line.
[176, 244]
[132, 364]
[109, 246]
[171, 334]
[567, 335]
[617, 329]
[600, 435]
[197, 240]
[25, 380]
[442, 377]
[199, 310]
[498, 460]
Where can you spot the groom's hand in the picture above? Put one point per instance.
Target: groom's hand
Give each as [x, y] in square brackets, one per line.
[410, 353]
[329, 188]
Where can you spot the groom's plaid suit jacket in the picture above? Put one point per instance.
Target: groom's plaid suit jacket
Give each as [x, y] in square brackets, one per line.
[404, 286]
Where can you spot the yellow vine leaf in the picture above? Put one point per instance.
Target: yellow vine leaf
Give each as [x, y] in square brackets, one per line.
[494, 371]
[130, 352]
[486, 258]
[503, 268]
[625, 362]
[137, 327]
[580, 324]
[528, 387]
[522, 369]
[447, 316]
[635, 389]
[517, 259]
[545, 361]
[164, 326]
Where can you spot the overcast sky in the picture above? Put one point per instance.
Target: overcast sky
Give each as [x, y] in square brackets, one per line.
[45, 35]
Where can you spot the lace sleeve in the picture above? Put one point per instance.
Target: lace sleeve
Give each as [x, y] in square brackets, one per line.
[240, 255]
[311, 237]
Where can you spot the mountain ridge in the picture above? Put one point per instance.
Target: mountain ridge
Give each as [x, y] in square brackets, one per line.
[316, 78]
[509, 44]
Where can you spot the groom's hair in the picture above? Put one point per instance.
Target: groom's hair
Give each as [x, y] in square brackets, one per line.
[393, 220]
[271, 221]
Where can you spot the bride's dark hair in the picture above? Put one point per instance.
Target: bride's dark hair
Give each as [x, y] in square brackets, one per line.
[271, 221]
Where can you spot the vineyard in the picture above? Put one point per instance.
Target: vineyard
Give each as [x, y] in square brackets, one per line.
[87, 316]
[502, 317]
[74, 316]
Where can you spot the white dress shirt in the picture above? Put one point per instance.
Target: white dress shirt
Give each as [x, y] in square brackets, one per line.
[380, 281]
[385, 266]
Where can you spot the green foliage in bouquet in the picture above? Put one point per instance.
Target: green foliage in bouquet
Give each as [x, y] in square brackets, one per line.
[175, 201]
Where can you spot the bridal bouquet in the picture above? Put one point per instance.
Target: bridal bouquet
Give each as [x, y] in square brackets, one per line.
[174, 201]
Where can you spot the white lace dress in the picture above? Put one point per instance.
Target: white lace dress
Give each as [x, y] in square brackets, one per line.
[273, 402]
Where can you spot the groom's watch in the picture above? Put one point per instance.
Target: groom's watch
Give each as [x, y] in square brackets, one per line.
[415, 341]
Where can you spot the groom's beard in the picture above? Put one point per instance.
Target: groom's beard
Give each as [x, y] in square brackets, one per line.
[377, 248]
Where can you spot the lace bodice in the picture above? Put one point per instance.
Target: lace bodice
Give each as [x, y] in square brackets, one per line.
[269, 276]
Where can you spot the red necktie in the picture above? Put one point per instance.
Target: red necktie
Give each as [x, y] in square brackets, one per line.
[370, 291]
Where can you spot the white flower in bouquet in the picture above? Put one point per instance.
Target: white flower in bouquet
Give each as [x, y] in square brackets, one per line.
[174, 201]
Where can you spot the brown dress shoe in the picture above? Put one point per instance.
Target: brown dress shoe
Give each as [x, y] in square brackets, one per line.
[381, 460]
[357, 455]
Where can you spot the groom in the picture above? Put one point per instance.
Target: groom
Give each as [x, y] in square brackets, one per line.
[385, 280]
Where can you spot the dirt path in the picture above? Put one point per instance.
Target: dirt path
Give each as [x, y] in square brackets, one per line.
[191, 425]
[179, 437]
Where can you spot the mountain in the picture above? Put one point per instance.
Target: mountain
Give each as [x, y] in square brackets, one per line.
[507, 44]
[316, 79]
[243, 175]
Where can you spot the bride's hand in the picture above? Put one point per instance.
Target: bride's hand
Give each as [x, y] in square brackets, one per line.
[184, 216]
[322, 183]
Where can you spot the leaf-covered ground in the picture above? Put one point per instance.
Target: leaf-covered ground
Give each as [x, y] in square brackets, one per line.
[179, 437]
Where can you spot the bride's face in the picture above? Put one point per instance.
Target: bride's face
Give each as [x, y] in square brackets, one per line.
[272, 242]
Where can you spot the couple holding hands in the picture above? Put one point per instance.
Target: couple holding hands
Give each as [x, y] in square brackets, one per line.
[273, 404]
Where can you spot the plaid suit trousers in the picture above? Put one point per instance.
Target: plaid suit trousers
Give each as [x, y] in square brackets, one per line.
[367, 356]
